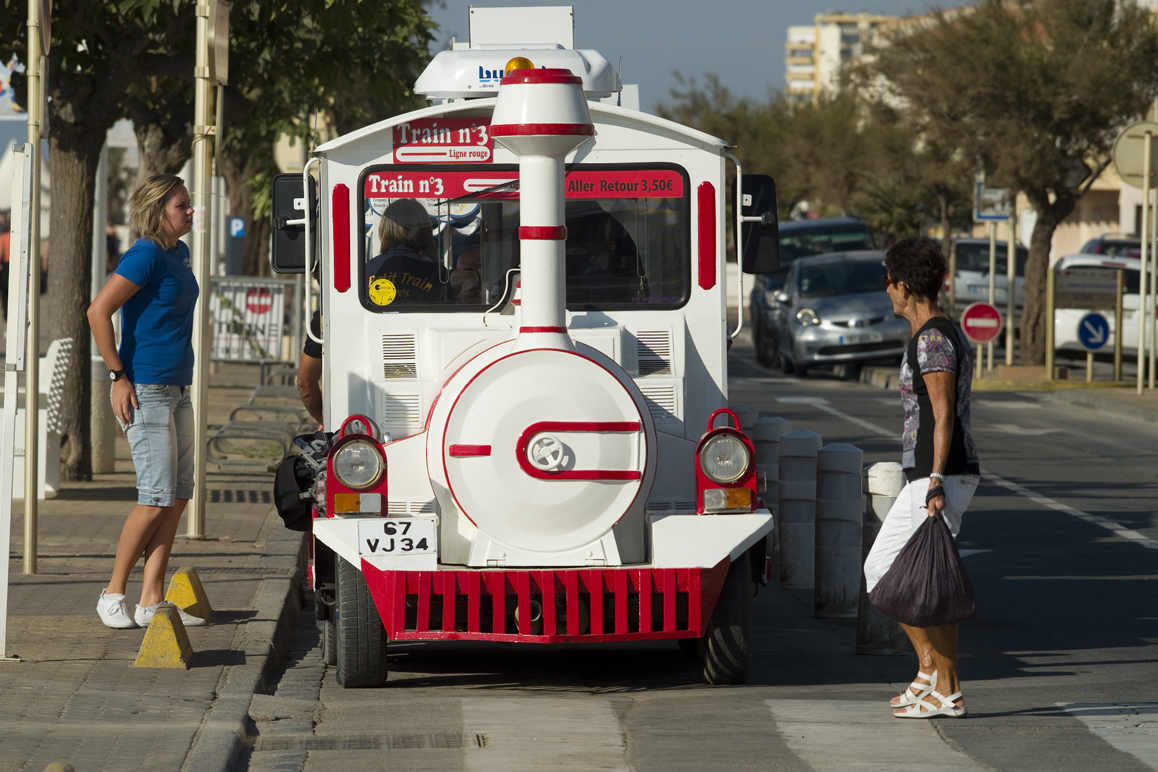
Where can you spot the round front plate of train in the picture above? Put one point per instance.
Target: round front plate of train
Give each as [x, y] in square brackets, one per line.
[545, 450]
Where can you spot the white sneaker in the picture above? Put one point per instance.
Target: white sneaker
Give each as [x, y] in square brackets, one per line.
[111, 608]
[144, 615]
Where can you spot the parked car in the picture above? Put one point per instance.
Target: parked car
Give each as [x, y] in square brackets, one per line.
[971, 283]
[1066, 320]
[832, 309]
[1113, 245]
[802, 239]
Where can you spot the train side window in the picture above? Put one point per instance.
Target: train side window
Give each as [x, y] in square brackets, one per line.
[441, 239]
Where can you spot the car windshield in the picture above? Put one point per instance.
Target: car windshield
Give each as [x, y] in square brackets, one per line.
[1113, 247]
[827, 279]
[975, 257]
[802, 242]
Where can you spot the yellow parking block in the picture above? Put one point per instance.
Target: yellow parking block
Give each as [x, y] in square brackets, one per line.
[186, 592]
[59, 766]
[166, 643]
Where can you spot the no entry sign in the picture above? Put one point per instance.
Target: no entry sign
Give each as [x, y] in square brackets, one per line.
[981, 322]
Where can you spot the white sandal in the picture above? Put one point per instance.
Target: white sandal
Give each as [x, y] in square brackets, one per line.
[916, 692]
[946, 709]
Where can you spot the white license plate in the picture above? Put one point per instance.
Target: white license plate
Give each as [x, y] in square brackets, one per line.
[397, 536]
[862, 337]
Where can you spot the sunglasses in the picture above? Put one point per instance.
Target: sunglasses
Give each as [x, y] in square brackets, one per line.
[886, 282]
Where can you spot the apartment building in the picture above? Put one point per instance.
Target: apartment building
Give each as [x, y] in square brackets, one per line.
[816, 55]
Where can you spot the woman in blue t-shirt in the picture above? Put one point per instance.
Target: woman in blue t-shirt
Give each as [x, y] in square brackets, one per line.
[155, 291]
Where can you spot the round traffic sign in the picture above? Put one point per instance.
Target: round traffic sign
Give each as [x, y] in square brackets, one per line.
[981, 322]
[1128, 153]
[1093, 331]
[258, 300]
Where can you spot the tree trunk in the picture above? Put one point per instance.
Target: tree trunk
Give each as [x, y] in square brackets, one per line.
[160, 153]
[1033, 316]
[946, 236]
[74, 156]
[240, 171]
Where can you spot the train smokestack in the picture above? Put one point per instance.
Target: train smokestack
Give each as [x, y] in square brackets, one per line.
[541, 116]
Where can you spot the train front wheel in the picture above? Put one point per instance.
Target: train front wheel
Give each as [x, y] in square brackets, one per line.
[726, 648]
[361, 638]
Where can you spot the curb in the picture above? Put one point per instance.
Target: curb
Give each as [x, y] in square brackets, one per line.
[1101, 404]
[881, 377]
[264, 640]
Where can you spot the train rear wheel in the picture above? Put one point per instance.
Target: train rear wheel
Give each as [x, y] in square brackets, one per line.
[726, 651]
[361, 638]
[327, 628]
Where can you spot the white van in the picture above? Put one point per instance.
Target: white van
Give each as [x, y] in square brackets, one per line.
[1066, 320]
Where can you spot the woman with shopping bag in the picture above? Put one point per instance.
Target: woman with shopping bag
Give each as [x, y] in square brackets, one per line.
[941, 466]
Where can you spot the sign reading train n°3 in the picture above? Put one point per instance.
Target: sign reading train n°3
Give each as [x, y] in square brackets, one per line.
[578, 183]
[443, 140]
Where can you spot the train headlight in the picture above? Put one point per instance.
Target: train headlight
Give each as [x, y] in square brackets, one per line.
[358, 464]
[724, 459]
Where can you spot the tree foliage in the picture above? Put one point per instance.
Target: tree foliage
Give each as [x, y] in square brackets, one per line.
[1032, 91]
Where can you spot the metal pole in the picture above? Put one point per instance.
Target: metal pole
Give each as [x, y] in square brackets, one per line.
[952, 294]
[1118, 327]
[32, 372]
[203, 136]
[1143, 291]
[1050, 286]
[1089, 367]
[1010, 289]
[992, 285]
[1152, 315]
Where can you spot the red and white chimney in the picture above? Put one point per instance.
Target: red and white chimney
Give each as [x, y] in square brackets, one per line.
[541, 116]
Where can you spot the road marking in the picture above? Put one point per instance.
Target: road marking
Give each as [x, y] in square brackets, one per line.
[1017, 430]
[967, 553]
[1130, 727]
[529, 734]
[839, 735]
[1018, 403]
[1117, 528]
[802, 400]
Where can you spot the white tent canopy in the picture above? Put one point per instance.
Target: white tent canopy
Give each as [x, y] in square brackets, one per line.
[6, 163]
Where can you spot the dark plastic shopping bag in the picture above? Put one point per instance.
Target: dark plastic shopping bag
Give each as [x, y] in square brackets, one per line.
[927, 584]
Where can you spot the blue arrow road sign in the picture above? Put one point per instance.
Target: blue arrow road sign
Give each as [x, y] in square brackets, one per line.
[1093, 331]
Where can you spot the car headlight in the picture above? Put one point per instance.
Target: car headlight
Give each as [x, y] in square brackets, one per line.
[724, 459]
[358, 464]
[807, 317]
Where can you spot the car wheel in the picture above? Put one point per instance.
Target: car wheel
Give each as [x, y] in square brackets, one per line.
[800, 371]
[786, 365]
[767, 352]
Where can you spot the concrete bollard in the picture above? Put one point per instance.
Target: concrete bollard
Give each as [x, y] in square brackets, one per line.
[748, 417]
[102, 423]
[839, 522]
[798, 509]
[766, 436]
[875, 632]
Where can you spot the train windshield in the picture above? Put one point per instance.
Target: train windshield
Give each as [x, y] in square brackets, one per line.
[446, 239]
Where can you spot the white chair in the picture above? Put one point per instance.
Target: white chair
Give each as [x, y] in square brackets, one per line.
[53, 367]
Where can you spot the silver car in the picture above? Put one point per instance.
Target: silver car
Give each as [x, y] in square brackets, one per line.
[833, 309]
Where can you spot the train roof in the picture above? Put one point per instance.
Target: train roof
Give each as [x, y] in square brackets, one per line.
[375, 135]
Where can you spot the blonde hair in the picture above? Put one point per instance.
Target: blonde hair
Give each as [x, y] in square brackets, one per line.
[147, 205]
[406, 223]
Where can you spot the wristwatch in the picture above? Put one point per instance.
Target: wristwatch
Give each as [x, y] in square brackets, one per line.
[116, 375]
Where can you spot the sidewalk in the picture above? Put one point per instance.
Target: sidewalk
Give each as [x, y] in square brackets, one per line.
[75, 695]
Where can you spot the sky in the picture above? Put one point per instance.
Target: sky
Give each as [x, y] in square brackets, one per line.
[741, 41]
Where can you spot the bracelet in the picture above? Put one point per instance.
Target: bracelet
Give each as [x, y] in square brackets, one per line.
[938, 475]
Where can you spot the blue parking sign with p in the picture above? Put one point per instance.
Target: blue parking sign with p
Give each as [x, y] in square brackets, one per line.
[236, 227]
[1093, 331]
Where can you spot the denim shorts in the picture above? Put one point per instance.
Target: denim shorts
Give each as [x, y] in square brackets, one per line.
[161, 438]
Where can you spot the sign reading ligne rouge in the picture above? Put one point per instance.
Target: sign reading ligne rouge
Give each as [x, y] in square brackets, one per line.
[443, 140]
[634, 183]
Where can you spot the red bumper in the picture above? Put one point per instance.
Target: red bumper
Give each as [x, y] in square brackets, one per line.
[572, 605]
